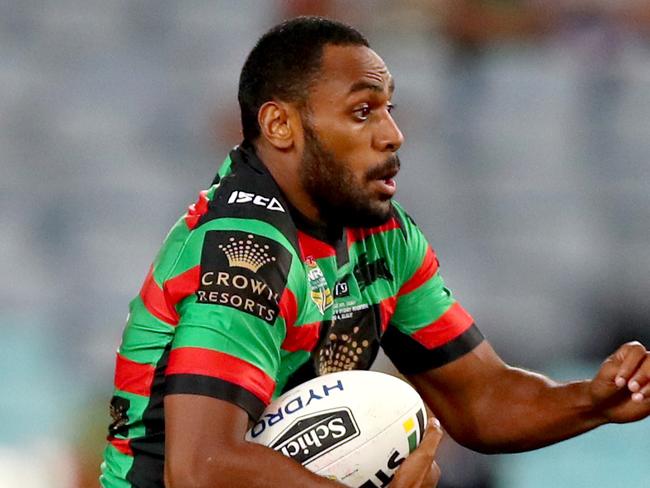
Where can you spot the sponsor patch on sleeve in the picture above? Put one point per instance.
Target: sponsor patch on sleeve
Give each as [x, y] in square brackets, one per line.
[244, 271]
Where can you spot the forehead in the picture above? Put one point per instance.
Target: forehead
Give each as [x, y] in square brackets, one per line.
[346, 70]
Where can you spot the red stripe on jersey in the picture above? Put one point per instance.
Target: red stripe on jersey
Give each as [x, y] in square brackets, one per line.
[288, 308]
[360, 233]
[196, 210]
[206, 362]
[182, 285]
[122, 445]
[302, 338]
[386, 311]
[424, 273]
[133, 377]
[450, 325]
[153, 298]
[310, 246]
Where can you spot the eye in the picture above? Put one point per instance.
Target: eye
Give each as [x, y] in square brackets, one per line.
[390, 107]
[362, 113]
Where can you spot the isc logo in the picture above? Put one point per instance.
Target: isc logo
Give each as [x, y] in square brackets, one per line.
[262, 201]
[311, 437]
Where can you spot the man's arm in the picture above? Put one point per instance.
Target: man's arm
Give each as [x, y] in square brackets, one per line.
[489, 406]
[205, 447]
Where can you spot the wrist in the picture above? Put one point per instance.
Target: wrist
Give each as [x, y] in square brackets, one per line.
[590, 409]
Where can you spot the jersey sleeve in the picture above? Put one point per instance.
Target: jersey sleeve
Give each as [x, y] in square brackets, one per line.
[229, 332]
[429, 328]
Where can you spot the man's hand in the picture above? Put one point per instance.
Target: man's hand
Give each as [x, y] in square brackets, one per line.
[621, 389]
[419, 470]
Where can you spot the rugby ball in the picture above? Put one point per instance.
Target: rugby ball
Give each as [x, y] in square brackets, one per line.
[352, 426]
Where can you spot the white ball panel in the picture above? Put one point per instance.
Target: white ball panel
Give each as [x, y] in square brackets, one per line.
[352, 425]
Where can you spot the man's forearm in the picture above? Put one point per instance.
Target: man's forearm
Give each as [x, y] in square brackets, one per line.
[491, 407]
[247, 466]
[524, 411]
[205, 447]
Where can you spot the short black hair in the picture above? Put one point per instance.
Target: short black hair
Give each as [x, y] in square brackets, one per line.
[285, 61]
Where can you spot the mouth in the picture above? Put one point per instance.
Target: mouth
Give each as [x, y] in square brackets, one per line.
[386, 180]
[387, 187]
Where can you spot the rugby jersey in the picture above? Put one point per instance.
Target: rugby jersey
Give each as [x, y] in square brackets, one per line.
[247, 299]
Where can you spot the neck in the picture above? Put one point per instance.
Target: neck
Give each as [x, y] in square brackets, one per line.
[285, 169]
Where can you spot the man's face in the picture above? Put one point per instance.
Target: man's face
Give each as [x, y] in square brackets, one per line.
[350, 139]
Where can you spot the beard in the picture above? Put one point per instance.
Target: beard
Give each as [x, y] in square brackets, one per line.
[339, 198]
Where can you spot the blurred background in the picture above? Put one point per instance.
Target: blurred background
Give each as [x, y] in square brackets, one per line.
[526, 162]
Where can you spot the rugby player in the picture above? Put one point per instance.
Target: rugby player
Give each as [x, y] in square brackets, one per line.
[297, 262]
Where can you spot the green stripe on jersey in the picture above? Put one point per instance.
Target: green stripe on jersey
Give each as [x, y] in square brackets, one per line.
[115, 468]
[412, 250]
[145, 337]
[410, 317]
[170, 250]
[291, 361]
[225, 167]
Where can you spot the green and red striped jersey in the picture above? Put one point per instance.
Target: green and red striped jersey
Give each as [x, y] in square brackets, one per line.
[246, 299]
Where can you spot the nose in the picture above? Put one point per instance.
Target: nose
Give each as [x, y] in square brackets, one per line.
[389, 137]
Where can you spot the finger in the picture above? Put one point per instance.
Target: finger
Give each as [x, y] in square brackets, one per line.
[417, 466]
[641, 377]
[630, 356]
[432, 437]
[425, 453]
[642, 395]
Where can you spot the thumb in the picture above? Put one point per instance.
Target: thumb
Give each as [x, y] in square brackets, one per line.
[431, 439]
[418, 465]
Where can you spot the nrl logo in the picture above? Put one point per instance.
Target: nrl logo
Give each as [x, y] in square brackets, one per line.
[320, 292]
[246, 253]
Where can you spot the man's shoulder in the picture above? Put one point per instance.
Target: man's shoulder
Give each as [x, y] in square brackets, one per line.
[241, 209]
[248, 198]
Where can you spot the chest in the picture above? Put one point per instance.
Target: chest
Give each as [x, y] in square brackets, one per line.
[349, 297]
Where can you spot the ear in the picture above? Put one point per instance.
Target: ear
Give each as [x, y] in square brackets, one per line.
[276, 124]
